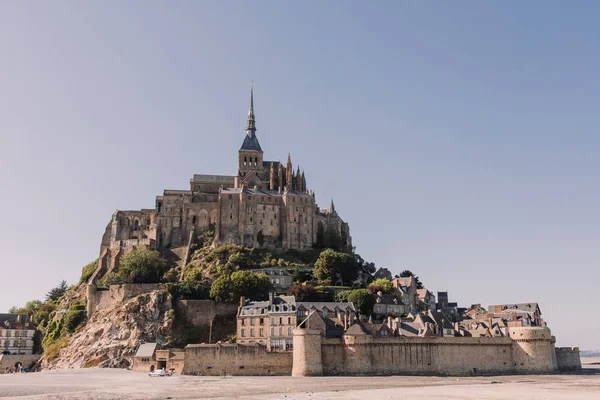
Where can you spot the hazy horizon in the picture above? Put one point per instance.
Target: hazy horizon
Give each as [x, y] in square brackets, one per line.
[459, 143]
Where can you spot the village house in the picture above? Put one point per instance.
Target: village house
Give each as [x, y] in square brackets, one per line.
[271, 322]
[388, 305]
[407, 287]
[528, 313]
[16, 334]
[279, 278]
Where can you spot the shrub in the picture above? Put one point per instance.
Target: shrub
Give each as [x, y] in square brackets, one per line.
[73, 318]
[88, 271]
[51, 351]
[142, 266]
[383, 285]
[342, 296]
[240, 283]
[111, 279]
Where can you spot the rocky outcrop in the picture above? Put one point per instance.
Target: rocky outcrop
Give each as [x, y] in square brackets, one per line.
[111, 336]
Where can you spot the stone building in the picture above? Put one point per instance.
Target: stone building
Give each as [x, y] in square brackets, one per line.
[280, 278]
[271, 323]
[264, 204]
[16, 334]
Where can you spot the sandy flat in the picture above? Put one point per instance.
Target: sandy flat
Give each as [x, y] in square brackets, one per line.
[121, 384]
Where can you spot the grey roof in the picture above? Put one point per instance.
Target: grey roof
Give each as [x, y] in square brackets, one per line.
[388, 299]
[251, 142]
[13, 321]
[280, 304]
[409, 329]
[268, 164]
[357, 329]
[530, 307]
[441, 320]
[213, 178]
[146, 350]
[329, 305]
[271, 271]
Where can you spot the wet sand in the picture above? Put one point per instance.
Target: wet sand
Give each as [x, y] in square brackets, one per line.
[121, 384]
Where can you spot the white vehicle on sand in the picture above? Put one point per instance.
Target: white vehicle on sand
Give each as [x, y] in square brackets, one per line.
[160, 372]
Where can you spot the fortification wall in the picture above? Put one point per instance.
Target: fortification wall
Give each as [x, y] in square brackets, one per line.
[415, 356]
[27, 360]
[235, 359]
[568, 358]
[202, 312]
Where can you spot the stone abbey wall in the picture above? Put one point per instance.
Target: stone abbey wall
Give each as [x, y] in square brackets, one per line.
[235, 359]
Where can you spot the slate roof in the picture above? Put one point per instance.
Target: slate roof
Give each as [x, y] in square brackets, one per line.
[251, 142]
[13, 321]
[409, 329]
[357, 329]
[329, 305]
[529, 307]
[146, 350]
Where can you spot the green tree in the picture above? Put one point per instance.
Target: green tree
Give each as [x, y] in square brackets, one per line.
[57, 292]
[342, 296]
[241, 283]
[142, 266]
[363, 300]
[406, 273]
[304, 293]
[383, 285]
[332, 266]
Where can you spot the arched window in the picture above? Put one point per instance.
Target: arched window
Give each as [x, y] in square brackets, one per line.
[194, 220]
[245, 159]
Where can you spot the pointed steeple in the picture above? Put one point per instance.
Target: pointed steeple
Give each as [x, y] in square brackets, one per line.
[331, 207]
[251, 141]
[251, 124]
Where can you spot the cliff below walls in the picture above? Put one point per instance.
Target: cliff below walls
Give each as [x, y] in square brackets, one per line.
[111, 336]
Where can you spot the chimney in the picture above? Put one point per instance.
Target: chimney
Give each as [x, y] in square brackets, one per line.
[242, 301]
[389, 322]
[271, 297]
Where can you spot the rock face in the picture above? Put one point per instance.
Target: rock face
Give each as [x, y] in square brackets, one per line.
[111, 336]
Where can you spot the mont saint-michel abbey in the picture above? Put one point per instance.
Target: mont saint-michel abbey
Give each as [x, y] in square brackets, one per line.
[265, 204]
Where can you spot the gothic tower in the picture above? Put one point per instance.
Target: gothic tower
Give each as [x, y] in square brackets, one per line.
[250, 155]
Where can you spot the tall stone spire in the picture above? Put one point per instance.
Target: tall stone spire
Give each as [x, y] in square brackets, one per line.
[289, 171]
[272, 177]
[332, 207]
[251, 124]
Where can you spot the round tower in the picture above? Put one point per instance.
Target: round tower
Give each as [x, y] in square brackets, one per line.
[307, 353]
[533, 349]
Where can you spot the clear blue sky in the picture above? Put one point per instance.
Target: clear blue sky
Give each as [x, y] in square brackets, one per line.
[460, 140]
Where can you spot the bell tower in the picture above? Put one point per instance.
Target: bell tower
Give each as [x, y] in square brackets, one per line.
[250, 155]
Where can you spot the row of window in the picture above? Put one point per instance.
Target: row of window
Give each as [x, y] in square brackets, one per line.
[261, 332]
[13, 332]
[261, 321]
[14, 343]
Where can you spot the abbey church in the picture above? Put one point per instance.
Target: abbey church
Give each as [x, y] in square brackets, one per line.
[265, 204]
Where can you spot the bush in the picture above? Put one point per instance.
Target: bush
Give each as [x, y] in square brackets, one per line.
[240, 283]
[142, 266]
[171, 275]
[52, 350]
[383, 285]
[111, 279]
[73, 319]
[189, 289]
[343, 296]
[88, 271]
[53, 332]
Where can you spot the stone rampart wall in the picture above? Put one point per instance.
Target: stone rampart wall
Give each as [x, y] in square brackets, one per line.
[9, 360]
[414, 356]
[235, 359]
[568, 358]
